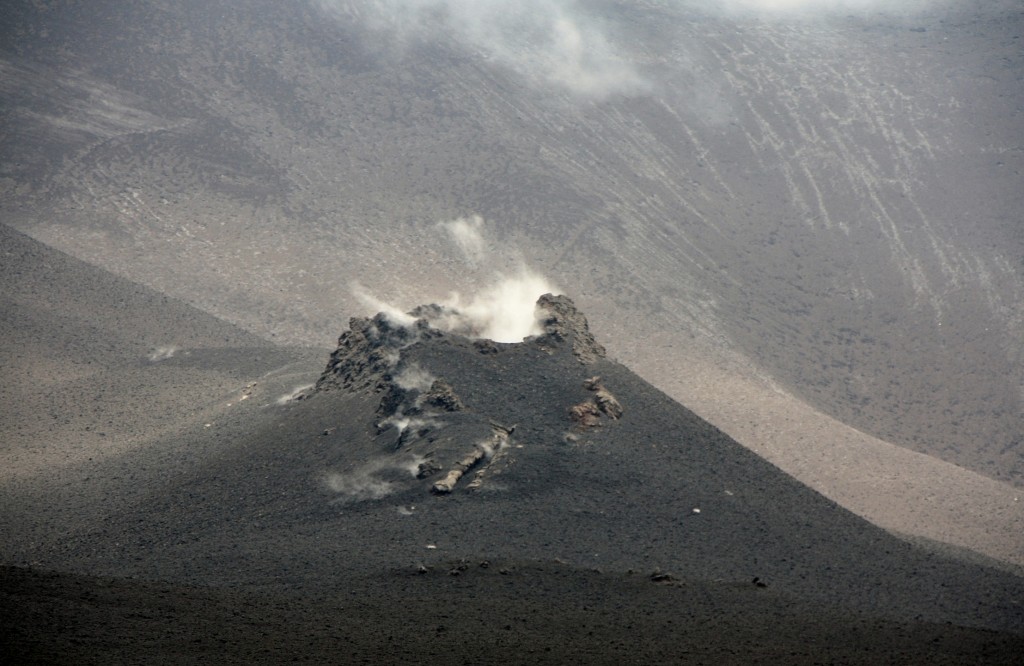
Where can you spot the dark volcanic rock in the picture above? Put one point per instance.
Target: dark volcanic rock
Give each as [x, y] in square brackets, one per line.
[368, 350]
[442, 396]
[562, 322]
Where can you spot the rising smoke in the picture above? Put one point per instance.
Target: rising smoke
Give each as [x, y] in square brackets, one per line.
[558, 42]
[467, 234]
[415, 378]
[572, 45]
[503, 311]
[396, 314]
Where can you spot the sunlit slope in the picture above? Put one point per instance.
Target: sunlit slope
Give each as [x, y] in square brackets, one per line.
[837, 202]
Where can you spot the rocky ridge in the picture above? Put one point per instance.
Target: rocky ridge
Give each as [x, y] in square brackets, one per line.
[373, 355]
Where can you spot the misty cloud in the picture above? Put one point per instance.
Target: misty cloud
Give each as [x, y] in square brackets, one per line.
[557, 42]
[395, 314]
[814, 8]
[403, 424]
[504, 311]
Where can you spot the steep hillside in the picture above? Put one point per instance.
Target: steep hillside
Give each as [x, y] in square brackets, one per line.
[831, 201]
[421, 447]
[95, 366]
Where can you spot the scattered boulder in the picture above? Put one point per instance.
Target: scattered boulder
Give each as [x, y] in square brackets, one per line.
[606, 402]
[588, 413]
[585, 414]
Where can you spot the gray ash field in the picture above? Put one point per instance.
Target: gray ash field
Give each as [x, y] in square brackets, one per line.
[503, 613]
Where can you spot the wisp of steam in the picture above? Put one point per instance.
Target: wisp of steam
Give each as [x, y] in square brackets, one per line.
[558, 42]
[162, 353]
[466, 233]
[414, 377]
[374, 480]
[504, 311]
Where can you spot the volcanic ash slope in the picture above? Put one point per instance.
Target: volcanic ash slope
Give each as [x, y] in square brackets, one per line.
[420, 447]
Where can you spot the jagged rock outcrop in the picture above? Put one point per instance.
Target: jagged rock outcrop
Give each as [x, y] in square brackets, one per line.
[447, 318]
[488, 451]
[393, 400]
[369, 350]
[447, 484]
[562, 322]
[382, 354]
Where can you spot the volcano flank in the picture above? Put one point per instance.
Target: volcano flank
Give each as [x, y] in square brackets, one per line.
[787, 430]
[435, 495]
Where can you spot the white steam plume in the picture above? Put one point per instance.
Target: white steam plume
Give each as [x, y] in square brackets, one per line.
[402, 423]
[504, 311]
[554, 41]
[294, 394]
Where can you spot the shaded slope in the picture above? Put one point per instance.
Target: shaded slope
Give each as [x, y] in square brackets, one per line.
[312, 492]
[95, 365]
